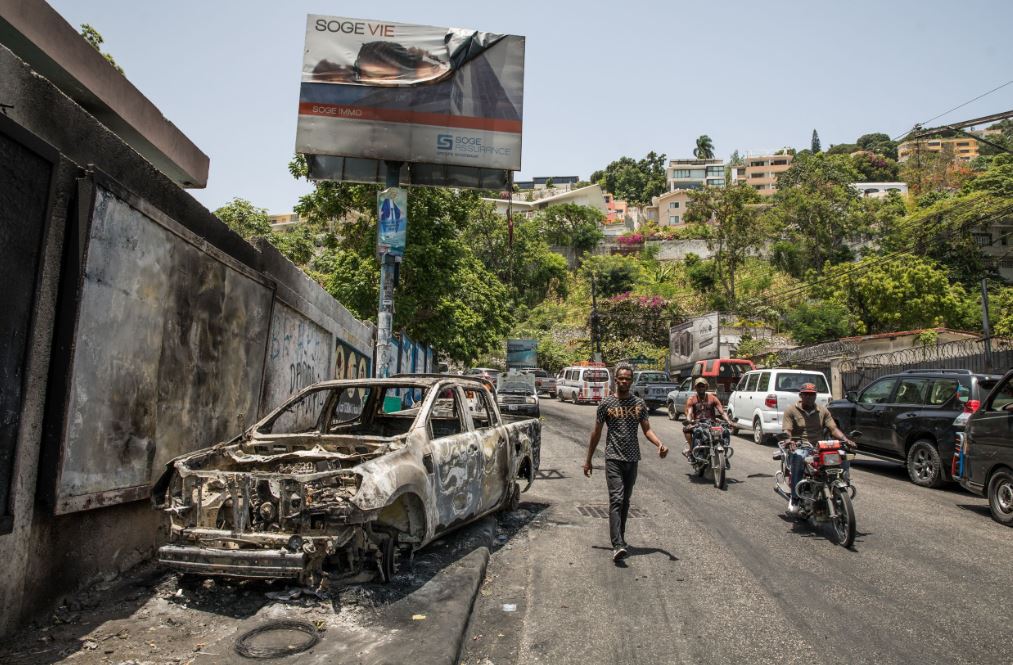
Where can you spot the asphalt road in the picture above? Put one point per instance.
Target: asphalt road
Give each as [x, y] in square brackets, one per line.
[724, 576]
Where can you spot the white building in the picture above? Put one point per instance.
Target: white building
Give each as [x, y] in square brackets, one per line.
[879, 190]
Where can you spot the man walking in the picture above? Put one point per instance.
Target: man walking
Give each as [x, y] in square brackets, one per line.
[622, 413]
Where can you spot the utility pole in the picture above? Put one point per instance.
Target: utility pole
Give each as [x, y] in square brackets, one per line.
[595, 337]
[389, 268]
[986, 324]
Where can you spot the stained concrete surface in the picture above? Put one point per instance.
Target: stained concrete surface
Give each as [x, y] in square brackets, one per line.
[724, 576]
[150, 616]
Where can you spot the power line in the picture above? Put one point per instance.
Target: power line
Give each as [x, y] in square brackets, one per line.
[959, 106]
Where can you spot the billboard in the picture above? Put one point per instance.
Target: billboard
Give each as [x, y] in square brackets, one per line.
[447, 101]
[692, 340]
[522, 353]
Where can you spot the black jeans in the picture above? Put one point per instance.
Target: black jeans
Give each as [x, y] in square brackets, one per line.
[620, 477]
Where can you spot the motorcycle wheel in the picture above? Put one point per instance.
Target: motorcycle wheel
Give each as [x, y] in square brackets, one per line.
[844, 523]
[719, 470]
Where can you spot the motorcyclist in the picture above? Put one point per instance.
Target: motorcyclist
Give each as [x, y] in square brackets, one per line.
[702, 405]
[808, 420]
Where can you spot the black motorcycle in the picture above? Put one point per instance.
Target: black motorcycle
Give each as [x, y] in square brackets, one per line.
[711, 448]
[824, 493]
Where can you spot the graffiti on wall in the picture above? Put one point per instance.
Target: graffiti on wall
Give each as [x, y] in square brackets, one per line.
[350, 363]
[298, 355]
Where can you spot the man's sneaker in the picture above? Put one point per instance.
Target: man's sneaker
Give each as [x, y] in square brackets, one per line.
[793, 507]
[619, 553]
[685, 453]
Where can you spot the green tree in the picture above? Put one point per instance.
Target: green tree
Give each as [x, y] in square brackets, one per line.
[897, 294]
[92, 36]
[842, 149]
[816, 208]
[738, 232]
[736, 159]
[818, 321]
[814, 144]
[446, 296]
[873, 167]
[572, 225]
[244, 218]
[633, 181]
[879, 143]
[529, 267]
[613, 274]
[298, 244]
[704, 148]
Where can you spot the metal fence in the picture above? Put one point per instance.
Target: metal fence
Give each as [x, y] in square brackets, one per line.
[856, 373]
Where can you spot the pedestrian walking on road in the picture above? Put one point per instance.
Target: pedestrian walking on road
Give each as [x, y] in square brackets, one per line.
[622, 413]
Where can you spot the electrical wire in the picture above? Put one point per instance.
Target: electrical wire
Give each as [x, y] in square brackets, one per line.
[959, 106]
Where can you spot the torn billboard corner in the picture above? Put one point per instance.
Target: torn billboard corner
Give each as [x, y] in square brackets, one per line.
[439, 97]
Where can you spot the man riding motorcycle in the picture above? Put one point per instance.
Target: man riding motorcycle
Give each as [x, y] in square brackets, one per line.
[808, 420]
[701, 406]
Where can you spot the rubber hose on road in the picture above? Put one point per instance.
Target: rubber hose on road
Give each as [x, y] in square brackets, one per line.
[245, 647]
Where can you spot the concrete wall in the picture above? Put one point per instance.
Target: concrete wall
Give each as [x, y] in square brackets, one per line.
[150, 333]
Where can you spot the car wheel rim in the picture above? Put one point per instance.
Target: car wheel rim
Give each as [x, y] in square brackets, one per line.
[757, 432]
[923, 466]
[1004, 497]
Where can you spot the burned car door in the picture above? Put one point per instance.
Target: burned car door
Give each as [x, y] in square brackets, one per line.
[494, 442]
[457, 458]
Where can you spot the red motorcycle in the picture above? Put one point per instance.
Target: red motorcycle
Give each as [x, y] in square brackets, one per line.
[824, 492]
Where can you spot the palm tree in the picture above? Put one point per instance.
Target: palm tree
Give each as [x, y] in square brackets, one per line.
[704, 148]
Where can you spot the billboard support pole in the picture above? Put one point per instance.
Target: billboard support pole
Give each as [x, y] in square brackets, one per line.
[385, 310]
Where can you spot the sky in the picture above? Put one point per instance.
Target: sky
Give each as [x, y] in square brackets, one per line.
[602, 79]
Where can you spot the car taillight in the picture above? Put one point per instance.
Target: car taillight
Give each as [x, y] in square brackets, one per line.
[770, 402]
[972, 405]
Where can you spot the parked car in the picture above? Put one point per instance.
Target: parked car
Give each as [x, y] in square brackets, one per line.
[344, 476]
[987, 451]
[722, 374]
[762, 395]
[908, 418]
[675, 401]
[545, 383]
[489, 373]
[516, 394]
[584, 383]
[653, 387]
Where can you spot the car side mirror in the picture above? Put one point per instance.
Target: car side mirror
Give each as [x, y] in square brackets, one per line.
[851, 396]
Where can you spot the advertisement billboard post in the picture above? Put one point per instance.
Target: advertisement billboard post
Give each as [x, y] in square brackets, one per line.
[404, 104]
[522, 353]
[447, 102]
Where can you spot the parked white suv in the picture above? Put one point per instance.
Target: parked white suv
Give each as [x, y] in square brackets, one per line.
[762, 395]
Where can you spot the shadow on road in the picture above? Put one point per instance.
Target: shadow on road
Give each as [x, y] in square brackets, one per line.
[980, 509]
[550, 474]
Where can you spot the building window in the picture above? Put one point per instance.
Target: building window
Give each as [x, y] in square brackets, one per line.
[779, 162]
[757, 175]
[673, 204]
[758, 187]
[982, 239]
[681, 173]
[716, 182]
[715, 170]
[963, 143]
[757, 163]
[673, 219]
[871, 190]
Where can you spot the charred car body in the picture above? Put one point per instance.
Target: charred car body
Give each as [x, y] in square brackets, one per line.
[345, 475]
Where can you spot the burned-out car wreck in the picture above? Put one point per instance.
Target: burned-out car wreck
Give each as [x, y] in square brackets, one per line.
[344, 477]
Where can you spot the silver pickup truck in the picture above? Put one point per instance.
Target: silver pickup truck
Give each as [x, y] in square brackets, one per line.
[653, 386]
[346, 476]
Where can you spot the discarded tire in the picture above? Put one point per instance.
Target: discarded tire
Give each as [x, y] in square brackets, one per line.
[246, 648]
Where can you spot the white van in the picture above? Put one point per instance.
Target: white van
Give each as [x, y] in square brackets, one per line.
[584, 383]
[762, 395]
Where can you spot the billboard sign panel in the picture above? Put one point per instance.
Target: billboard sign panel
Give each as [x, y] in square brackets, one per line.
[378, 90]
[692, 340]
[392, 213]
[522, 353]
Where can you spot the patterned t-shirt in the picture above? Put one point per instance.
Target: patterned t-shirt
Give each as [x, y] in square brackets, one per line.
[623, 418]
